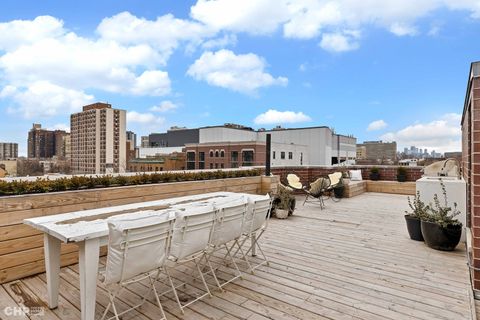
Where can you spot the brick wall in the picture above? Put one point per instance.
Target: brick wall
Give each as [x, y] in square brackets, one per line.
[471, 167]
[310, 174]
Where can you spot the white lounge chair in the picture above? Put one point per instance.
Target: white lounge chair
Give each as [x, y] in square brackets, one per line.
[255, 224]
[228, 227]
[131, 242]
[191, 238]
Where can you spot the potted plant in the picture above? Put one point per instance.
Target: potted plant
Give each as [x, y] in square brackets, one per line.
[401, 174]
[339, 189]
[283, 202]
[414, 218]
[374, 174]
[440, 229]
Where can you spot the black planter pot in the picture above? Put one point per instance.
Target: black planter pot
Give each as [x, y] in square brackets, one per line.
[374, 176]
[339, 192]
[401, 178]
[414, 228]
[291, 206]
[439, 238]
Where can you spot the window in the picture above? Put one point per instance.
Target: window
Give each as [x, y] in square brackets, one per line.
[190, 160]
[234, 159]
[290, 155]
[216, 165]
[211, 165]
[211, 153]
[222, 154]
[282, 155]
[221, 165]
[216, 154]
[247, 158]
[201, 160]
[301, 158]
[273, 157]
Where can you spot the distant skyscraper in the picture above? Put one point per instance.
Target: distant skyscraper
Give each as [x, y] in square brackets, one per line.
[132, 137]
[145, 142]
[8, 150]
[98, 139]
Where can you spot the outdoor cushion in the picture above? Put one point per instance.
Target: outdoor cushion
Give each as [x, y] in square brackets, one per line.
[294, 181]
[356, 175]
[335, 178]
[147, 234]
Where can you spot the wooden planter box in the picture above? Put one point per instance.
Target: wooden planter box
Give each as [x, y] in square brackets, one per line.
[21, 247]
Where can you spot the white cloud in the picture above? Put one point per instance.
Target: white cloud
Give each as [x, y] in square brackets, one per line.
[307, 19]
[243, 73]
[377, 125]
[164, 106]
[402, 29]
[44, 99]
[276, 117]
[225, 41]
[443, 134]
[165, 33]
[144, 118]
[340, 42]
[61, 126]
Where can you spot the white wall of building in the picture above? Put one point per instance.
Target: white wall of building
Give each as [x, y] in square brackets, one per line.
[222, 134]
[299, 154]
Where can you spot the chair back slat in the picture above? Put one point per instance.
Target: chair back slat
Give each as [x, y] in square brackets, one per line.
[131, 242]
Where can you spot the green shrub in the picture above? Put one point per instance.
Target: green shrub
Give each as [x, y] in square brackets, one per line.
[42, 185]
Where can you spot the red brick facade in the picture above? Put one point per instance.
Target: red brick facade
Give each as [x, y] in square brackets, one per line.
[471, 166]
[225, 155]
[310, 174]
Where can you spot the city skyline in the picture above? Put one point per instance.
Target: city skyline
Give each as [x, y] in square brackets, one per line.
[395, 75]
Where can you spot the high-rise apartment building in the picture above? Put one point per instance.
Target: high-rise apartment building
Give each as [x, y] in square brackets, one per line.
[44, 144]
[98, 139]
[8, 150]
[379, 150]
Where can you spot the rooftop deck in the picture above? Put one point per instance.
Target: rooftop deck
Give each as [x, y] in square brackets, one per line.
[353, 260]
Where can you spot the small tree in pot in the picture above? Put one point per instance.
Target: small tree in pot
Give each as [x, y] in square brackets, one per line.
[283, 202]
[419, 211]
[401, 174]
[440, 229]
[374, 174]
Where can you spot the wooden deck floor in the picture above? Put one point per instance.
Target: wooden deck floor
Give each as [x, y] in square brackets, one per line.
[351, 261]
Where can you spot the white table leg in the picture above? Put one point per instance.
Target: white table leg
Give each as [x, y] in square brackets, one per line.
[89, 251]
[52, 267]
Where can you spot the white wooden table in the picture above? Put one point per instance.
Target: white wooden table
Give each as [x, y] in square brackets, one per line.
[89, 230]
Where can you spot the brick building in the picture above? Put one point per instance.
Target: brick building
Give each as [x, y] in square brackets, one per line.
[471, 167]
[44, 144]
[224, 155]
[8, 150]
[174, 161]
[98, 139]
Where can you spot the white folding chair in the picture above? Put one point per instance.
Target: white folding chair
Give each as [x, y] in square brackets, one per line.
[131, 242]
[255, 224]
[190, 239]
[228, 227]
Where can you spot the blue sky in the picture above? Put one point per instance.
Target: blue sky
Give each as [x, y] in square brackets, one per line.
[391, 70]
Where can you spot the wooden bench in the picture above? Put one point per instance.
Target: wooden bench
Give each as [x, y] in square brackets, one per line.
[354, 188]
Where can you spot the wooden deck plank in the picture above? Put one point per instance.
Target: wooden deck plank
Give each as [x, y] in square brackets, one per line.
[353, 260]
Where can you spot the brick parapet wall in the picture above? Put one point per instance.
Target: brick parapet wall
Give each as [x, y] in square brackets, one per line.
[308, 174]
[471, 172]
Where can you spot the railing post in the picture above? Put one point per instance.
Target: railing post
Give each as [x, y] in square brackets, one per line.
[267, 154]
